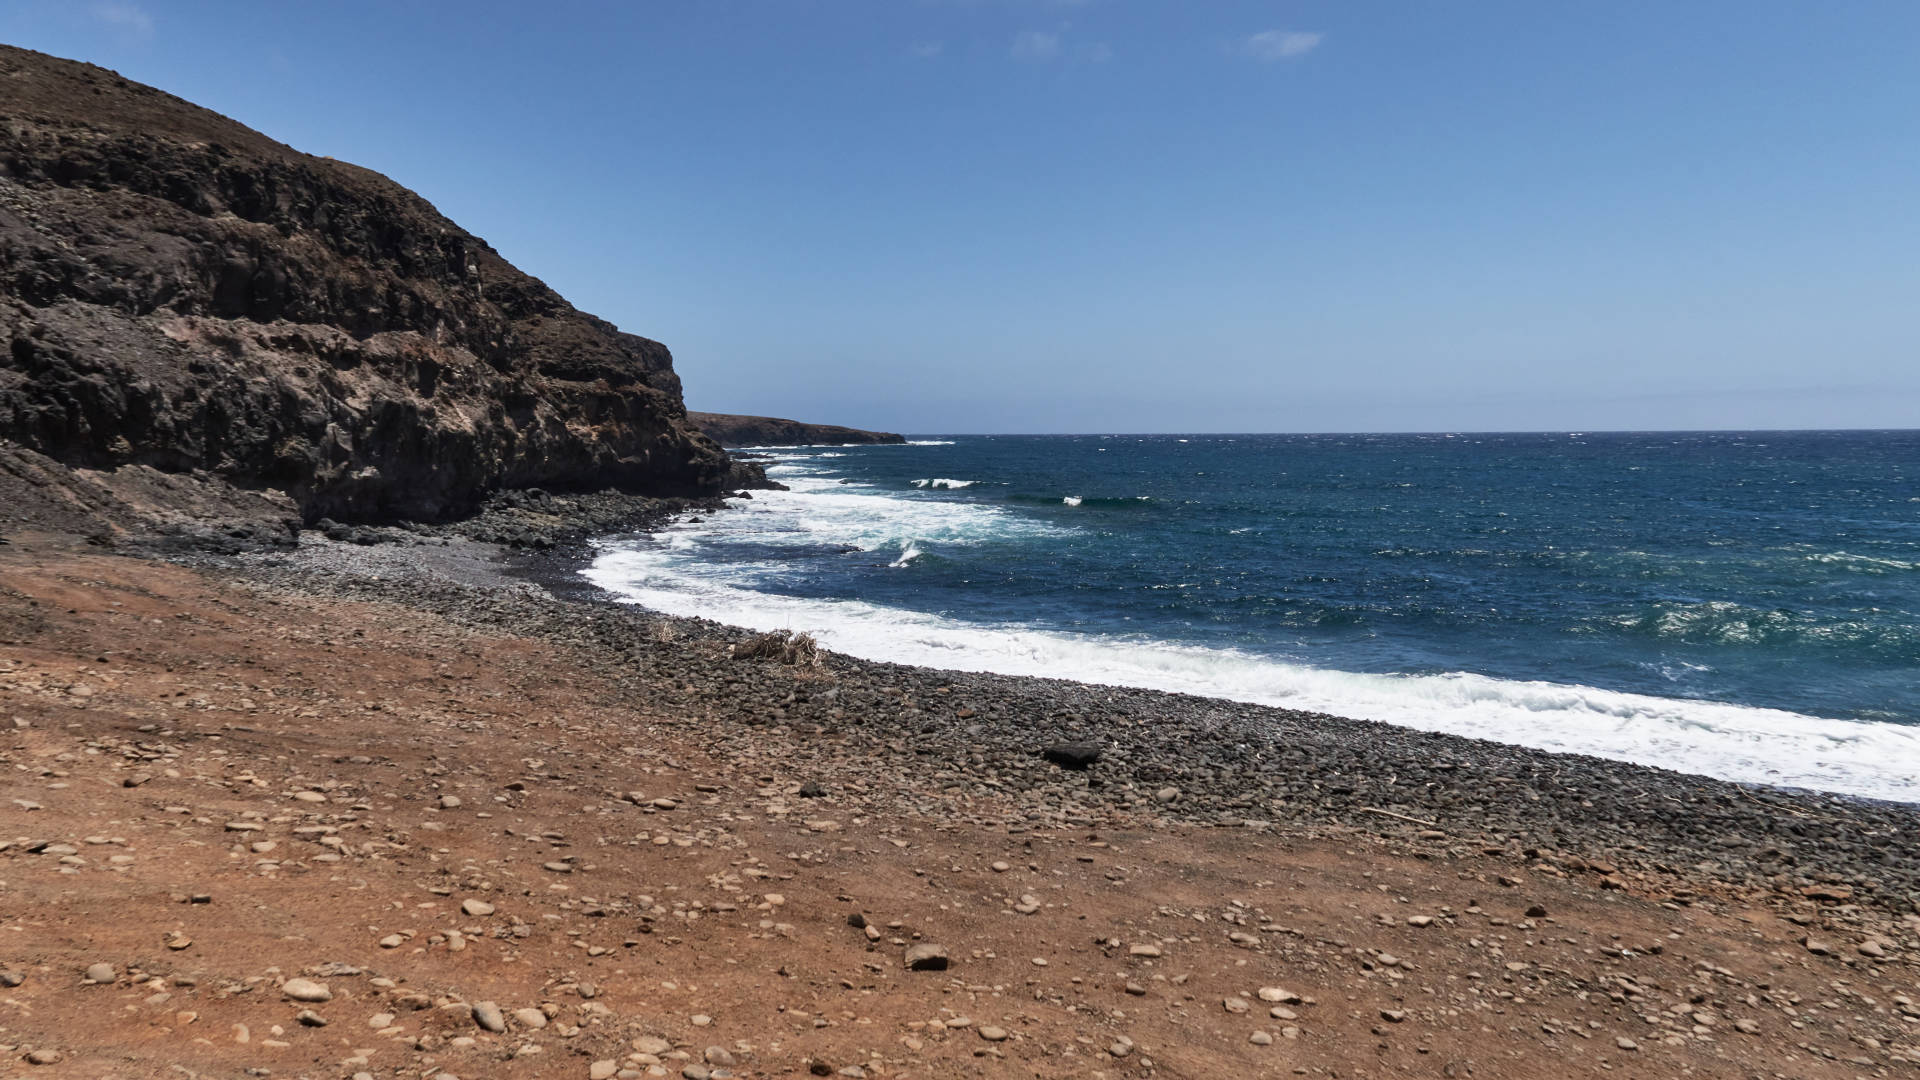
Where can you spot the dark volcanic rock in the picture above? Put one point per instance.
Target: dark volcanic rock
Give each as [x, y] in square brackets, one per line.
[181, 293]
[729, 430]
[1077, 755]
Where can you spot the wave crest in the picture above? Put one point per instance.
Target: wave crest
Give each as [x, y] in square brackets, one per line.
[1864, 563]
[1723, 622]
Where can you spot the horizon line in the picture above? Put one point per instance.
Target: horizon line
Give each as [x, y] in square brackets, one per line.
[1098, 434]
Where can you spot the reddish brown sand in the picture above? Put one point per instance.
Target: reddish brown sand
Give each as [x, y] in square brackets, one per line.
[214, 790]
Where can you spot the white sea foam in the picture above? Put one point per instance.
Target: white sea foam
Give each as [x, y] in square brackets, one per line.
[819, 511]
[1868, 562]
[943, 482]
[669, 571]
[1071, 500]
[1734, 742]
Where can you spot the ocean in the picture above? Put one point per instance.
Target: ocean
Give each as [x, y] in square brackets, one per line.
[1744, 605]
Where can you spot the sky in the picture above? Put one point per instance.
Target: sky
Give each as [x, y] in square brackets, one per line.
[1145, 215]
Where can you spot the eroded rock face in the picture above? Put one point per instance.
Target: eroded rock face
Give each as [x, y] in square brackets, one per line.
[180, 292]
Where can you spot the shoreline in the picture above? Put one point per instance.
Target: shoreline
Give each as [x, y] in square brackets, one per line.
[408, 796]
[563, 571]
[1562, 648]
[1231, 764]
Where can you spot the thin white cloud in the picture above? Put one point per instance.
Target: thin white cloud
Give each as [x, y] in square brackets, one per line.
[125, 18]
[927, 50]
[1036, 45]
[1272, 45]
[1097, 53]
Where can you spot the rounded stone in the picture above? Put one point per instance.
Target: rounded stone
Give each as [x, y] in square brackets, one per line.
[489, 1017]
[926, 956]
[306, 990]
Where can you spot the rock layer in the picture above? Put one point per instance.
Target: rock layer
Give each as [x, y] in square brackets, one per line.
[181, 293]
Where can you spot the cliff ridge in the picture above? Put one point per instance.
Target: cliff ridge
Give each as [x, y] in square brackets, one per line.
[181, 295]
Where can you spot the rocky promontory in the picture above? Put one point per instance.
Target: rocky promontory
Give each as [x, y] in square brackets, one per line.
[198, 320]
[730, 430]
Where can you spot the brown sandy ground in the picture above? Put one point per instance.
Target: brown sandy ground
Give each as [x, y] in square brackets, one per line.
[498, 862]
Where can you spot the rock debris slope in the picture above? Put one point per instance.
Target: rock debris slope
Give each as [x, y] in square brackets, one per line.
[180, 294]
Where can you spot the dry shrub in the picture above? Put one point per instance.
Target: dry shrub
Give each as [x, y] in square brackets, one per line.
[802, 651]
[798, 650]
[762, 646]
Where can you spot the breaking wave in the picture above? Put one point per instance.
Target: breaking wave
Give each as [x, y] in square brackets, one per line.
[1733, 742]
[884, 566]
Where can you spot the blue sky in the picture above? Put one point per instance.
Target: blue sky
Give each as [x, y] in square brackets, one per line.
[1143, 215]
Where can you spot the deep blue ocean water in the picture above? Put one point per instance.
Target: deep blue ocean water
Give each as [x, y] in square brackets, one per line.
[1740, 604]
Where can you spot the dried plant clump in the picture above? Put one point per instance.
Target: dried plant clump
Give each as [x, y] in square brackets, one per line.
[796, 650]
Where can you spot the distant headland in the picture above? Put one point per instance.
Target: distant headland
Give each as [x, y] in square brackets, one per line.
[730, 430]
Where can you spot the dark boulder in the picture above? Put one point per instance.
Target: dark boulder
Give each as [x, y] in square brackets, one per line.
[1073, 755]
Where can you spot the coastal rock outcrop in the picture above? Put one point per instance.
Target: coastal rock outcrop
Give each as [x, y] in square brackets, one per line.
[731, 430]
[183, 296]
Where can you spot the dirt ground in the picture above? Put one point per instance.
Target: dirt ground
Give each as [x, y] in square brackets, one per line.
[475, 856]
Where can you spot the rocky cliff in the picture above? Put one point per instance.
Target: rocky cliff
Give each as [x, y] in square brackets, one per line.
[183, 296]
[730, 430]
